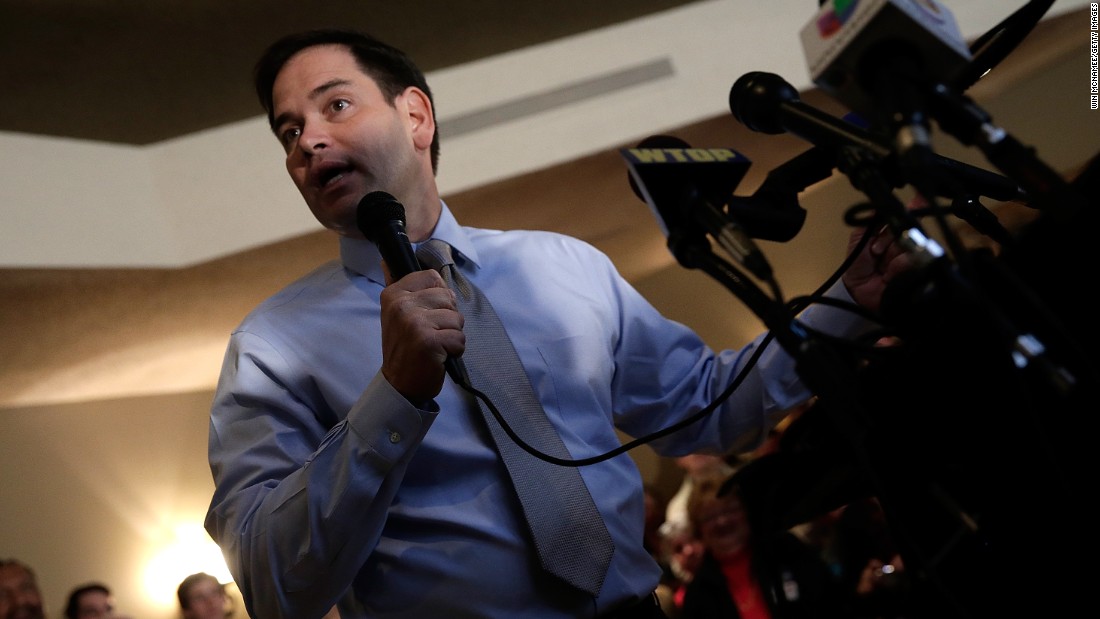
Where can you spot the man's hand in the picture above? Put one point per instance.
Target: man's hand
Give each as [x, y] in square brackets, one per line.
[881, 260]
[421, 327]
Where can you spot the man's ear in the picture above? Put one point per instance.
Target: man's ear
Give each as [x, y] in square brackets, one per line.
[421, 119]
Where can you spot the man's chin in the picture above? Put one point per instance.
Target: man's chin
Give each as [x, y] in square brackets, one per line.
[340, 218]
[350, 232]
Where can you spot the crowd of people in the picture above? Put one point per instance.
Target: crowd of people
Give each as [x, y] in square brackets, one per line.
[200, 595]
[842, 564]
[718, 562]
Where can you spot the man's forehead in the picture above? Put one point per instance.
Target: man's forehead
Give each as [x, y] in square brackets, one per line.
[16, 579]
[327, 57]
[316, 69]
[13, 571]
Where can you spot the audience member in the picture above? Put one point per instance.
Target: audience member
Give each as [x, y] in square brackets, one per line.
[202, 596]
[681, 553]
[91, 601]
[19, 594]
[820, 532]
[871, 569]
[695, 466]
[748, 574]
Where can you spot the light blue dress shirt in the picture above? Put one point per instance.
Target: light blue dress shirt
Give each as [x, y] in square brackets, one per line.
[330, 486]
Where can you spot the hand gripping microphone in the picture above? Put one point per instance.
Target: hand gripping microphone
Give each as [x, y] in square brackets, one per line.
[381, 218]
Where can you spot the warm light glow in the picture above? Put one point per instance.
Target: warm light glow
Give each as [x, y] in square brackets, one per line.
[189, 551]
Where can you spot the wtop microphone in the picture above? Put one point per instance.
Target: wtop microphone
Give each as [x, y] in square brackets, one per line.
[868, 53]
[686, 188]
[381, 218]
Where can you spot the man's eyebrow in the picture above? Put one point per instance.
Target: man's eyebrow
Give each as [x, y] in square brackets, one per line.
[313, 94]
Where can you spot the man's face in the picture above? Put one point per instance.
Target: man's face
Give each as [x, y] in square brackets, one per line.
[19, 595]
[342, 138]
[206, 600]
[95, 605]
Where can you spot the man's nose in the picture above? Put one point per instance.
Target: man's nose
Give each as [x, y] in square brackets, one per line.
[314, 138]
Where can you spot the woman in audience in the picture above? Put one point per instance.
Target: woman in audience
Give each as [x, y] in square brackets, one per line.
[751, 575]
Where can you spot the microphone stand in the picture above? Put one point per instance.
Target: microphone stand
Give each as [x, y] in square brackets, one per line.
[920, 302]
[835, 379]
[961, 117]
[818, 364]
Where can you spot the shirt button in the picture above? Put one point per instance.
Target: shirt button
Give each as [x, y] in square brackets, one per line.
[395, 436]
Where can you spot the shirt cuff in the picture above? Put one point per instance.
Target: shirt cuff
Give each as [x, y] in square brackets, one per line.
[837, 321]
[386, 420]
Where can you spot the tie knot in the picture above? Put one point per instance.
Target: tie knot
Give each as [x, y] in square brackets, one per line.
[434, 254]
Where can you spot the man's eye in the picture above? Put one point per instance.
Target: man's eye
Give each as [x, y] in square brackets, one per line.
[340, 105]
[287, 137]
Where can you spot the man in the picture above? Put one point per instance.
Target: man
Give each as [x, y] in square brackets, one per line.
[349, 470]
[201, 596]
[91, 601]
[19, 594]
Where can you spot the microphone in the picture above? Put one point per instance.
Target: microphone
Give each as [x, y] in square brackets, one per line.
[381, 218]
[766, 103]
[686, 188]
[862, 51]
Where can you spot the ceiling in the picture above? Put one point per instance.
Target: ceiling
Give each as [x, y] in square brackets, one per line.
[138, 72]
[170, 80]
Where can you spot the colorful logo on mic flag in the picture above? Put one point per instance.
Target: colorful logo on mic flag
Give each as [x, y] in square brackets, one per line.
[832, 21]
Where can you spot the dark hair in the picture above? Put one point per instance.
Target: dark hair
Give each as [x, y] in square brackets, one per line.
[184, 590]
[17, 563]
[72, 609]
[388, 66]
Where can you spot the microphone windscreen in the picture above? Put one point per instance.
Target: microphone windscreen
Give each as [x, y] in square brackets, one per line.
[376, 210]
[755, 100]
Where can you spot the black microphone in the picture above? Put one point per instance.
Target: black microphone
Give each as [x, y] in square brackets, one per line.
[686, 188]
[766, 103]
[381, 218]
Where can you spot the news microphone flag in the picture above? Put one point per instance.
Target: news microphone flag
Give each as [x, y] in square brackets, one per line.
[845, 36]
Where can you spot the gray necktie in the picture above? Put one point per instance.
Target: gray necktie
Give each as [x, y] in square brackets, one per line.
[570, 536]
